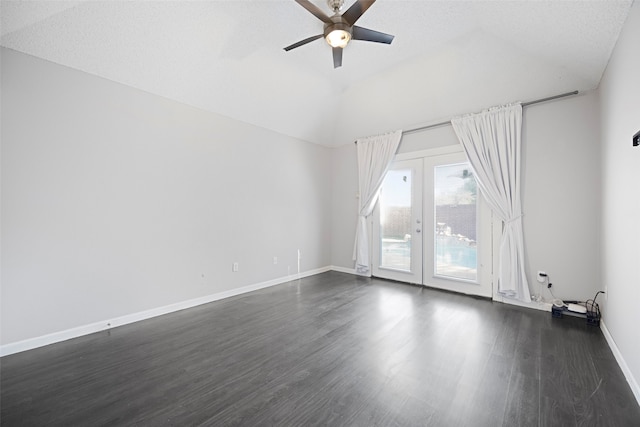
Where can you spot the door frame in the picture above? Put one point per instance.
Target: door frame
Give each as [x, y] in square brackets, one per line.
[493, 233]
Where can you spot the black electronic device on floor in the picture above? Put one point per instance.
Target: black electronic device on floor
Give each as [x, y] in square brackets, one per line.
[592, 313]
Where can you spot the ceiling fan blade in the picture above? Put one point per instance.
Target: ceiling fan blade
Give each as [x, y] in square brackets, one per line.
[356, 10]
[359, 33]
[337, 57]
[314, 10]
[303, 42]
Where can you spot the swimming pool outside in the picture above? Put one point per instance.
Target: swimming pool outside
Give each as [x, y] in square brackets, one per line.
[455, 256]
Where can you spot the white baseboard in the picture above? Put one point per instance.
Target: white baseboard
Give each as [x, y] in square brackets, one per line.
[349, 271]
[344, 270]
[635, 388]
[544, 306]
[91, 328]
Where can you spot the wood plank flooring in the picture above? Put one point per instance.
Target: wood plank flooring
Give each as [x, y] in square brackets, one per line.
[332, 349]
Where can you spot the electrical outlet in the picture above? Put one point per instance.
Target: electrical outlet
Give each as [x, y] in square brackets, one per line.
[275, 260]
[542, 276]
[235, 267]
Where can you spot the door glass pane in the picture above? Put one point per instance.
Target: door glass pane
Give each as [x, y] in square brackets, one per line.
[395, 220]
[455, 222]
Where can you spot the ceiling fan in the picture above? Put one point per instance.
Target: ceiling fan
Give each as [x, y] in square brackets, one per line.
[339, 30]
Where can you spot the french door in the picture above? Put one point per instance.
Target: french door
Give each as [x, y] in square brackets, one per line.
[432, 227]
[397, 231]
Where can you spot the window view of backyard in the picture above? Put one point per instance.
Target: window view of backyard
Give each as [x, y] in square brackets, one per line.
[395, 220]
[454, 228]
[455, 222]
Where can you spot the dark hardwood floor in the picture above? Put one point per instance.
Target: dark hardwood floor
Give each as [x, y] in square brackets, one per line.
[332, 349]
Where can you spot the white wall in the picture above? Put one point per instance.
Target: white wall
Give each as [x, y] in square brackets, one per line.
[115, 201]
[344, 205]
[620, 115]
[561, 196]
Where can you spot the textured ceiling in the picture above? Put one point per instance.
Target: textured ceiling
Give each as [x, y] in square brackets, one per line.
[448, 57]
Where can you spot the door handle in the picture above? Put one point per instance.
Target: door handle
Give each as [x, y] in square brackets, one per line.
[418, 230]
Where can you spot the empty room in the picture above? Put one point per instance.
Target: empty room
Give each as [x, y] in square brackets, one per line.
[320, 212]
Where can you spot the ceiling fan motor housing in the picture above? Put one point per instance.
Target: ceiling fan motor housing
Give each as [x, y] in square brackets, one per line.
[337, 24]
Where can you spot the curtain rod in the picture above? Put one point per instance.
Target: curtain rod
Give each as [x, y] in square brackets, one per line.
[524, 104]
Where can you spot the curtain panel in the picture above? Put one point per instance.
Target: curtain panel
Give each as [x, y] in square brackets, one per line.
[492, 142]
[375, 155]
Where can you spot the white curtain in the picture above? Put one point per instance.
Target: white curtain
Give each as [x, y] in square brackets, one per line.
[492, 140]
[375, 154]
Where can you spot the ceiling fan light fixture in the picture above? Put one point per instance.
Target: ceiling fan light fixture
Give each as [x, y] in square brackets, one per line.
[338, 38]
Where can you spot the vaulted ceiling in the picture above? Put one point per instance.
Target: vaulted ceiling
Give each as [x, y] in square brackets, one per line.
[227, 57]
